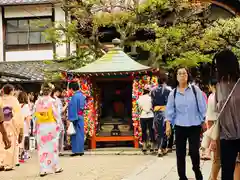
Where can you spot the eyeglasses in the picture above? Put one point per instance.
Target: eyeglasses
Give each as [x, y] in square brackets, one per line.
[182, 74]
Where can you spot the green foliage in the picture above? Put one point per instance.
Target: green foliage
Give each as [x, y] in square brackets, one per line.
[185, 34]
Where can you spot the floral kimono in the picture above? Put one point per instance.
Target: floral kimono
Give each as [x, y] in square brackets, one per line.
[13, 123]
[47, 130]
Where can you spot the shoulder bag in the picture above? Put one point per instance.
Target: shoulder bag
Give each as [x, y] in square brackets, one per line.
[214, 131]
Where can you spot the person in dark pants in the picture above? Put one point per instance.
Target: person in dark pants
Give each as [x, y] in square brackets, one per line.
[186, 109]
[168, 141]
[159, 100]
[227, 90]
[146, 124]
[146, 118]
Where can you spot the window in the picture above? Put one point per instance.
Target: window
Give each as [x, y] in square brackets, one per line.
[27, 31]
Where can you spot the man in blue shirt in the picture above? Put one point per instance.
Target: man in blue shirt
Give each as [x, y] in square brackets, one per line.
[75, 115]
[186, 109]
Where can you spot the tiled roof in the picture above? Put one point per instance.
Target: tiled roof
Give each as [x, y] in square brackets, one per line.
[24, 71]
[19, 2]
[114, 61]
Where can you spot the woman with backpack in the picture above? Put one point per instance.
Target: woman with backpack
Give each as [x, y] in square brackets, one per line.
[186, 109]
[47, 129]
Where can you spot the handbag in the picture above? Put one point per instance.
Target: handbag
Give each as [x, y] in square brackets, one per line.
[71, 130]
[32, 143]
[214, 131]
[26, 142]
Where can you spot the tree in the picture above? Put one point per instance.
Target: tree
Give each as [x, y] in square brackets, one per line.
[184, 33]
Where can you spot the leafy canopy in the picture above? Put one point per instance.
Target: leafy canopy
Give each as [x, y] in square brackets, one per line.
[185, 33]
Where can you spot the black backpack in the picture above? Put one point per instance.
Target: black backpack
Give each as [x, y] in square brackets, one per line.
[194, 92]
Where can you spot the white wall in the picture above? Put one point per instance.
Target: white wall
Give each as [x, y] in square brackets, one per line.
[32, 11]
[27, 11]
[1, 36]
[29, 55]
[72, 47]
[60, 19]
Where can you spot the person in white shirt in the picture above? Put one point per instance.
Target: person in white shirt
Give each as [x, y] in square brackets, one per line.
[211, 118]
[146, 118]
[57, 91]
[27, 115]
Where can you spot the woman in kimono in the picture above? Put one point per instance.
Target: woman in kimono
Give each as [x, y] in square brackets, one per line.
[3, 132]
[13, 123]
[47, 129]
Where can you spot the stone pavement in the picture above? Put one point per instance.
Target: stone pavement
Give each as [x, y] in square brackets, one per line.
[107, 165]
[165, 169]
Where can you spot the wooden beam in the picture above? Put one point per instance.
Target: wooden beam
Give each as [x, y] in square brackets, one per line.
[226, 7]
[14, 75]
[4, 33]
[220, 4]
[114, 138]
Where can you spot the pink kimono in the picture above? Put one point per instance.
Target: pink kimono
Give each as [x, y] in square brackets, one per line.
[47, 135]
[13, 122]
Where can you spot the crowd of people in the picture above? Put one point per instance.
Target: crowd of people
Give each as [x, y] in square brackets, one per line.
[184, 111]
[187, 112]
[22, 118]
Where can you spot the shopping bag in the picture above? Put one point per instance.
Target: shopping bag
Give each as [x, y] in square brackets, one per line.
[32, 143]
[71, 130]
[26, 142]
[206, 139]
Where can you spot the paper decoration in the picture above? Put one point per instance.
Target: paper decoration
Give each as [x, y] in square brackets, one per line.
[97, 92]
[154, 82]
[85, 86]
[89, 112]
[92, 110]
[136, 92]
[138, 85]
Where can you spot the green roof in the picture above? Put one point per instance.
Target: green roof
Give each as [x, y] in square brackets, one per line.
[113, 61]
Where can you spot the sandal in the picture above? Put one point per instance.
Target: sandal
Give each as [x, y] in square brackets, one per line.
[160, 153]
[59, 170]
[43, 174]
[164, 151]
[8, 168]
[206, 158]
[169, 150]
[1, 168]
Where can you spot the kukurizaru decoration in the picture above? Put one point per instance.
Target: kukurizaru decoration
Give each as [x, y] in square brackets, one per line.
[112, 85]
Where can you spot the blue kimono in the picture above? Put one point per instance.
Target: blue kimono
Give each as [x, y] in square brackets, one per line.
[75, 115]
